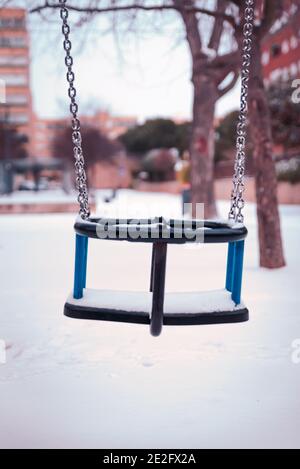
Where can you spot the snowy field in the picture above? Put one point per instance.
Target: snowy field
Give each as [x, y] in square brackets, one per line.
[74, 384]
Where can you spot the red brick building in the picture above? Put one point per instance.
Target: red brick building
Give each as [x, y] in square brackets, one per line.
[15, 70]
[45, 131]
[281, 48]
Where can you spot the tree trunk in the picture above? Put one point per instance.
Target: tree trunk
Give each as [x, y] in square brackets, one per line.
[270, 240]
[203, 144]
[205, 97]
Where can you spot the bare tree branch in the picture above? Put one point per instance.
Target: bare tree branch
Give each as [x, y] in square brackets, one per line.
[191, 26]
[138, 6]
[217, 31]
[227, 61]
[231, 84]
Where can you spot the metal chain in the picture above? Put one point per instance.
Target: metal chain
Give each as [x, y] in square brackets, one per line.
[81, 179]
[237, 195]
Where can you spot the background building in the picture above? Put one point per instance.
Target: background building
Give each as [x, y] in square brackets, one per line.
[15, 70]
[45, 131]
[281, 48]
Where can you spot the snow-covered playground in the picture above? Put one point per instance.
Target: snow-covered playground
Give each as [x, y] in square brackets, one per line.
[75, 384]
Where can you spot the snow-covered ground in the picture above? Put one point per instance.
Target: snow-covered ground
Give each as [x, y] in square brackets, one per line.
[75, 384]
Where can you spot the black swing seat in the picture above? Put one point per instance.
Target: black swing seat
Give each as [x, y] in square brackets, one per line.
[161, 230]
[180, 309]
[155, 307]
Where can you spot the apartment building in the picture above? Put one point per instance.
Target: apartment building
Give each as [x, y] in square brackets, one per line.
[16, 110]
[281, 47]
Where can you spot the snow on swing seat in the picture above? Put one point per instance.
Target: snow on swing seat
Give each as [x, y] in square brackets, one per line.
[209, 307]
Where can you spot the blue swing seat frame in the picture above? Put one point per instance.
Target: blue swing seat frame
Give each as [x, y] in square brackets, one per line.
[214, 233]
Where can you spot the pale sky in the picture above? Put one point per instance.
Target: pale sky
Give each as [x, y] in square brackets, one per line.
[150, 77]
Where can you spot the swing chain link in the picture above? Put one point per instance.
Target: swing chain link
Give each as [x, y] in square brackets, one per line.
[237, 195]
[81, 178]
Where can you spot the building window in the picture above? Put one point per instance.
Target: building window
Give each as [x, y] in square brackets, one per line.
[40, 125]
[294, 42]
[276, 75]
[265, 59]
[16, 99]
[285, 74]
[276, 50]
[56, 126]
[12, 23]
[18, 118]
[14, 41]
[285, 47]
[293, 70]
[17, 60]
[13, 79]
